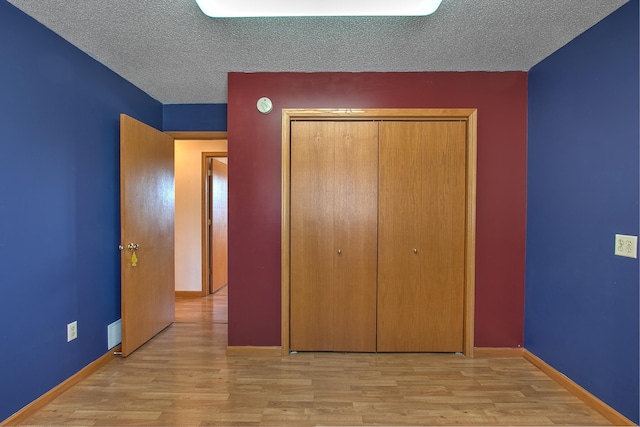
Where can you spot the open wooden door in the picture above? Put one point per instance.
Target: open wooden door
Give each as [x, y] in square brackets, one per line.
[218, 229]
[146, 232]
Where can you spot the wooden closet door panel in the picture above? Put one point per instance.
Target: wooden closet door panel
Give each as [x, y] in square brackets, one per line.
[444, 201]
[422, 192]
[355, 236]
[312, 246]
[398, 267]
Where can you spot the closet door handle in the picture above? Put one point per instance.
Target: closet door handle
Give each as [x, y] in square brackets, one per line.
[415, 250]
[339, 251]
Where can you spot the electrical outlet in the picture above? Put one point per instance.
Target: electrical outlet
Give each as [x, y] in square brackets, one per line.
[626, 246]
[72, 331]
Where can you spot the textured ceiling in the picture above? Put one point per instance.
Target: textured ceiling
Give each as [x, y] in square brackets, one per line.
[176, 54]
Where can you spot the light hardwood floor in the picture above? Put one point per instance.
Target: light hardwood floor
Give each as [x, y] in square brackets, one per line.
[183, 377]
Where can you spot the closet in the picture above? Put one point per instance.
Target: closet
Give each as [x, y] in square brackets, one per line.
[378, 235]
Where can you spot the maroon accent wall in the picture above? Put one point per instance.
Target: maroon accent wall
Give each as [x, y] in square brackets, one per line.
[255, 185]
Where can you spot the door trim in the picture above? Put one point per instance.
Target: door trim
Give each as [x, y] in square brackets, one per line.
[467, 115]
[198, 135]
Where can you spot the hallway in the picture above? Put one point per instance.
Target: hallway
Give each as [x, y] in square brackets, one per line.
[183, 377]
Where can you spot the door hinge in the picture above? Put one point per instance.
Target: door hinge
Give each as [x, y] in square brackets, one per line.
[209, 222]
[209, 172]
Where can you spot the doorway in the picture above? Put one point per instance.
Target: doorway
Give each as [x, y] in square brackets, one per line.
[191, 217]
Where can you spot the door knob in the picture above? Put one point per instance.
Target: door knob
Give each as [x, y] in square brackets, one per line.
[133, 247]
[415, 250]
[339, 251]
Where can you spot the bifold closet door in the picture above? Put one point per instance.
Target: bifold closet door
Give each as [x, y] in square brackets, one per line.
[421, 247]
[334, 197]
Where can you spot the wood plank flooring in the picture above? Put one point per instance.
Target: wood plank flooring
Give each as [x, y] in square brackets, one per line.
[183, 377]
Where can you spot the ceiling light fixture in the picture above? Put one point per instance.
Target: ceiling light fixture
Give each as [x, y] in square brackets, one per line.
[267, 8]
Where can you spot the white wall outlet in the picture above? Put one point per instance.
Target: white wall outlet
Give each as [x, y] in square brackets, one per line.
[114, 334]
[626, 246]
[72, 331]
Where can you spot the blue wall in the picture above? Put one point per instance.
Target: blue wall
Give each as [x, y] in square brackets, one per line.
[581, 306]
[194, 117]
[59, 206]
